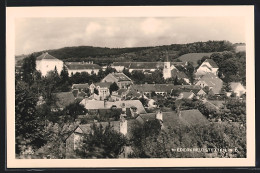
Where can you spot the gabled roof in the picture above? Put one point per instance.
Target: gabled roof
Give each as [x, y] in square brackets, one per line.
[46, 56]
[103, 84]
[212, 81]
[125, 64]
[161, 87]
[80, 86]
[187, 94]
[192, 117]
[120, 76]
[146, 117]
[81, 66]
[212, 63]
[95, 104]
[86, 128]
[120, 91]
[145, 65]
[179, 74]
[234, 85]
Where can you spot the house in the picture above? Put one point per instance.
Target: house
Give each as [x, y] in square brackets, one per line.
[80, 87]
[120, 79]
[75, 140]
[122, 92]
[47, 62]
[143, 66]
[237, 88]
[212, 81]
[159, 89]
[79, 67]
[103, 90]
[180, 75]
[192, 117]
[186, 95]
[201, 93]
[119, 66]
[135, 105]
[208, 66]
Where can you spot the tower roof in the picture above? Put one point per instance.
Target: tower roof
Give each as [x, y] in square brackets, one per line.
[45, 56]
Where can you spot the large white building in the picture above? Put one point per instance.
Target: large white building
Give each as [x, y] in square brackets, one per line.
[79, 67]
[47, 62]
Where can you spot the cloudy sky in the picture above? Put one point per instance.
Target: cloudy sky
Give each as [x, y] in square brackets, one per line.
[36, 34]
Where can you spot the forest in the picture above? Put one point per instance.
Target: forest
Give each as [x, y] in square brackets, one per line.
[105, 56]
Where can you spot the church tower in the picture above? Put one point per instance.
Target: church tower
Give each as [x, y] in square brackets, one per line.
[167, 68]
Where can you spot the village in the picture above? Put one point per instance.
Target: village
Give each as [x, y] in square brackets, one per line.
[116, 100]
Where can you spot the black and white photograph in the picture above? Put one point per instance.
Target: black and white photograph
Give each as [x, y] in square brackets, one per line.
[130, 86]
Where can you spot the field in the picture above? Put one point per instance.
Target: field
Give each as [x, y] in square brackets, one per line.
[193, 57]
[240, 48]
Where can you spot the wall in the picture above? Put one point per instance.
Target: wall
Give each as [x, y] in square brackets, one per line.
[46, 65]
[89, 71]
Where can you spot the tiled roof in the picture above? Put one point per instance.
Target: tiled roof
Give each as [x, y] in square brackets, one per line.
[162, 87]
[80, 86]
[46, 56]
[212, 63]
[95, 104]
[120, 91]
[86, 128]
[81, 66]
[103, 84]
[187, 94]
[192, 117]
[213, 81]
[178, 73]
[234, 85]
[125, 64]
[121, 76]
[144, 65]
[146, 117]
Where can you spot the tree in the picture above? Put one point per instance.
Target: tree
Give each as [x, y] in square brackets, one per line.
[176, 81]
[109, 69]
[28, 126]
[153, 94]
[103, 142]
[96, 91]
[126, 72]
[141, 135]
[73, 110]
[28, 68]
[200, 61]
[113, 87]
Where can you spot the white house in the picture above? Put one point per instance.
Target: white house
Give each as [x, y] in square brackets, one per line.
[89, 67]
[208, 66]
[103, 90]
[237, 88]
[47, 62]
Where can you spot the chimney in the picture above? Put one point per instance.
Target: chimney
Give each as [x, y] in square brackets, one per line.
[178, 111]
[123, 125]
[105, 100]
[159, 115]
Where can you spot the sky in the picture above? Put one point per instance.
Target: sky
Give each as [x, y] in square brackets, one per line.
[37, 34]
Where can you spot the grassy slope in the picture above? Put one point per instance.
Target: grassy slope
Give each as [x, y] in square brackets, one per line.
[193, 57]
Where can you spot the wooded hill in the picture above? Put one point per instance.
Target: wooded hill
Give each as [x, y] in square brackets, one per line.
[104, 56]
